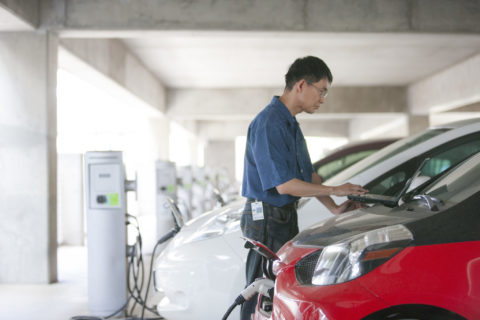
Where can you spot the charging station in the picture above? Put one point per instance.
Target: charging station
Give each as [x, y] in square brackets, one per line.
[166, 186]
[184, 190]
[106, 232]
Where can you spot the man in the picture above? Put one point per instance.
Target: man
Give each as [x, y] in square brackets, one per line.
[278, 170]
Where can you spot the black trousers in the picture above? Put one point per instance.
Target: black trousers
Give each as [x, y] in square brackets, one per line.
[280, 224]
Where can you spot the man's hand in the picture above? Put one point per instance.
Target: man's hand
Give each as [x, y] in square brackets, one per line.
[346, 206]
[354, 205]
[348, 188]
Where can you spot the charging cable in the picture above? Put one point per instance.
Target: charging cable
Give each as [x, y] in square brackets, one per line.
[262, 286]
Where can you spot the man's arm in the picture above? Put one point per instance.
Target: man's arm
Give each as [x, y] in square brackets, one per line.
[299, 188]
[324, 192]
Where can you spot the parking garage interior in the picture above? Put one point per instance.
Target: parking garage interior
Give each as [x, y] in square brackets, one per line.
[179, 82]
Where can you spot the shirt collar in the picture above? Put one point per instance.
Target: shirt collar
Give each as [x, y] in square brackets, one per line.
[282, 108]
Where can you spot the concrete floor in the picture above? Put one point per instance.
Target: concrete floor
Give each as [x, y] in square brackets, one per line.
[58, 301]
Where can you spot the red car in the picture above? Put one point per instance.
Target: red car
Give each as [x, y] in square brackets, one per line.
[417, 260]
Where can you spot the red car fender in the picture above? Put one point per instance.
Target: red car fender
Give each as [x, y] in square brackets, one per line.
[442, 275]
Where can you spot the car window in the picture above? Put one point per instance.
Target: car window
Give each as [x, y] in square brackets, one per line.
[441, 158]
[458, 185]
[333, 167]
[387, 153]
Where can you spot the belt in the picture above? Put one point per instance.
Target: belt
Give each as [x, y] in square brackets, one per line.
[293, 204]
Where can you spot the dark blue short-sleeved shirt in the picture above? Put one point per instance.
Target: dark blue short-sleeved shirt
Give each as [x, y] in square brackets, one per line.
[276, 152]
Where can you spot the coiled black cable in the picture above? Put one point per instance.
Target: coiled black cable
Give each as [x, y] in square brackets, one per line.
[136, 271]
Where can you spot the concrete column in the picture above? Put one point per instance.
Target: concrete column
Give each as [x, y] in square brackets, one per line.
[191, 144]
[159, 128]
[70, 200]
[221, 154]
[28, 232]
[417, 124]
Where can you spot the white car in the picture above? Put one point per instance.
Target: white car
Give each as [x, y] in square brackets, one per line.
[201, 271]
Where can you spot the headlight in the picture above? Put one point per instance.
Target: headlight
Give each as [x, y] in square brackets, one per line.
[225, 222]
[350, 259]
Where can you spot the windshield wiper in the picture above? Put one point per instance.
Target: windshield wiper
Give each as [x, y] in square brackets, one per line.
[432, 202]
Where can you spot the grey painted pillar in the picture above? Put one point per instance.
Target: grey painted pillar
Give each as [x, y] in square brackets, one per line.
[28, 232]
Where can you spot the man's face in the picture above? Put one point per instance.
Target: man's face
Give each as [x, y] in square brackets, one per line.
[314, 95]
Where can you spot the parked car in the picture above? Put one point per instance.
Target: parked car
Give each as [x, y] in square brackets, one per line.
[420, 260]
[347, 155]
[205, 261]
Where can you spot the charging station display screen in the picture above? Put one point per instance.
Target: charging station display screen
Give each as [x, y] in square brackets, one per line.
[105, 186]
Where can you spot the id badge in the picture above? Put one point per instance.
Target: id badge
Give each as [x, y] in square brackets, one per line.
[257, 210]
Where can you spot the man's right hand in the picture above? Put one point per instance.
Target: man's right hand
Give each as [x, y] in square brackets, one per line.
[347, 189]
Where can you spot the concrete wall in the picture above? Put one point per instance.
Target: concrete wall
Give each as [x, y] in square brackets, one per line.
[28, 157]
[114, 61]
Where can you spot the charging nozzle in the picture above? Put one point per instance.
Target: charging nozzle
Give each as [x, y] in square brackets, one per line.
[263, 286]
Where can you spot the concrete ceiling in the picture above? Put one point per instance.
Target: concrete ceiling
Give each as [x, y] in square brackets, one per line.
[247, 59]
[250, 59]
[206, 59]
[10, 22]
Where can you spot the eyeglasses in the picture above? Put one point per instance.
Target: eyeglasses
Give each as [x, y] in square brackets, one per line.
[322, 92]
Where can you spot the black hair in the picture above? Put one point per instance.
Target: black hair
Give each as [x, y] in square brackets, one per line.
[310, 68]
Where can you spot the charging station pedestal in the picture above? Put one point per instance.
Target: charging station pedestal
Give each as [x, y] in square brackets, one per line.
[106, 232]
[166, 187]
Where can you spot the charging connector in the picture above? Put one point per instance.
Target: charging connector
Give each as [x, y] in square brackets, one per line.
[262, 286]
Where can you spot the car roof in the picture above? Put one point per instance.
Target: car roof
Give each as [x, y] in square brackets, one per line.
[454, 130]
[380, 143]
[352, 148]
